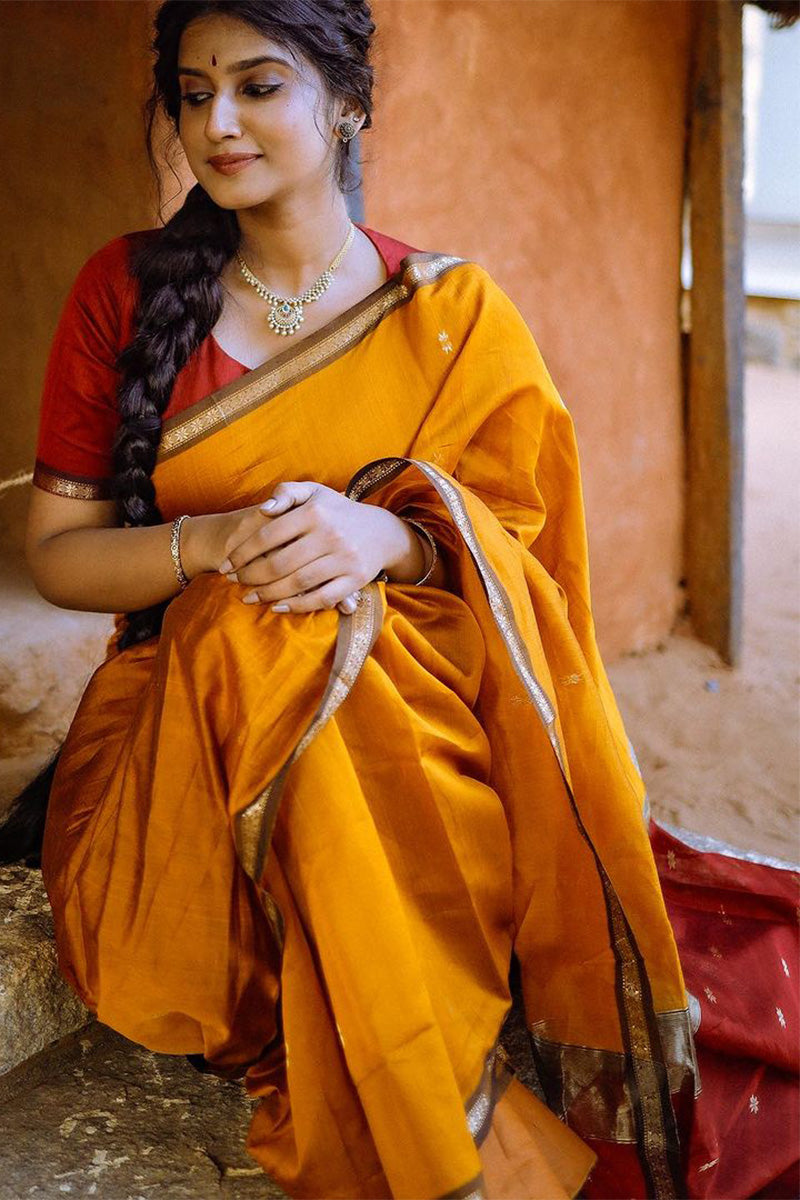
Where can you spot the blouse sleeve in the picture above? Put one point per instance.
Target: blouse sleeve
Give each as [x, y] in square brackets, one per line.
[78, 414]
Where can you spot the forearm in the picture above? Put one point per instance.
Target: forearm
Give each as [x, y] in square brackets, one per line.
[110, 569]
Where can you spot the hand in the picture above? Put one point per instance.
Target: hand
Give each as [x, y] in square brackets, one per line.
[312, 549]
[209, 538]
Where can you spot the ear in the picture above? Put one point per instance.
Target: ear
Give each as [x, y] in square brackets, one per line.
[356, 115]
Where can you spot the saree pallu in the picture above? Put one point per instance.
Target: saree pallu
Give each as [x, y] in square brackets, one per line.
[307, 846]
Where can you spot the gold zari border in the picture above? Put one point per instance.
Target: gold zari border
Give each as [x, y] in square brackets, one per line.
[357, 633]
[645, 1070]
[588, 1088]
[74, 487]
[236, 399]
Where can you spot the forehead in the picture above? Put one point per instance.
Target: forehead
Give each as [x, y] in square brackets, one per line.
[229, 39]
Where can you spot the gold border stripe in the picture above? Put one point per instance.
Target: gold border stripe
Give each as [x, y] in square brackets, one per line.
[475, 1189]
[496, 1075]
[74, 487]
[606, 1112]
[239, 397]
[356, 635]
[655, 1117]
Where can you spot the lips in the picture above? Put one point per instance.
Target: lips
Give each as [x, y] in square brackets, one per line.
[230, 164]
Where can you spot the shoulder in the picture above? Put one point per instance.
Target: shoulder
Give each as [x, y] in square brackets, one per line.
[449, 278]
[103, 293]
[108, 268]
[479, 316]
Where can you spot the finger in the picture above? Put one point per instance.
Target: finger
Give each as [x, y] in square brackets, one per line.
[275, 584]
[287, 495]
[281, 563]
[252, 522]
[349, 604]
[268, 537]
[326, 597]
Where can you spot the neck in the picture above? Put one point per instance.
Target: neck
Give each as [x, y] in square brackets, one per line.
[288, 246]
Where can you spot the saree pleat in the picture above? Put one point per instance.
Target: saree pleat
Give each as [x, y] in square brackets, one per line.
[307, 846]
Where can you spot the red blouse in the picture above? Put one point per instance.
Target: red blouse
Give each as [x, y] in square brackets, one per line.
[78, 416]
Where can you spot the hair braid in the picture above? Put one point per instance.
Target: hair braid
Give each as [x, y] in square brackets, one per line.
[179, 302]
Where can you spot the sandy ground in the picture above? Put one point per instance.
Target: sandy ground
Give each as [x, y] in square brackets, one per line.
[719, 746]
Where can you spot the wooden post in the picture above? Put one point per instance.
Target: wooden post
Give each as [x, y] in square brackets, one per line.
[715, 412]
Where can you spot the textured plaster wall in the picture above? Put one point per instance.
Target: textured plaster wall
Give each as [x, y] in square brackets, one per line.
[74, 175]
[545, 140]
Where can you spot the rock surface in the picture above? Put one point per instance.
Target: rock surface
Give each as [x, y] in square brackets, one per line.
[37, 1006]
[99, 1116]
[47, 658]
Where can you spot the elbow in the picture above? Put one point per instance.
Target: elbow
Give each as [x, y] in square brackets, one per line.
[43, 579]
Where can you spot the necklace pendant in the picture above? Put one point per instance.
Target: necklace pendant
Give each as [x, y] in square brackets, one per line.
[285, 318]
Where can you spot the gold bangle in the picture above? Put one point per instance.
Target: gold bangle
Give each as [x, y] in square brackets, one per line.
[175, 551]
[434, 552]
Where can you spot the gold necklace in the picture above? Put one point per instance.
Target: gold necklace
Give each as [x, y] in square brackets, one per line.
[286, 312]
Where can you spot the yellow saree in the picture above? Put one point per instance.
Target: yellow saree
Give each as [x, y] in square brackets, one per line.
[306, 846]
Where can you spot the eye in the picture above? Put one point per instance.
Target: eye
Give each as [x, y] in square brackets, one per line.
[261, 89]
[194, 98]
[255, 90]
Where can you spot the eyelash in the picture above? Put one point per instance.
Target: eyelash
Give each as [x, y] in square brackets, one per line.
[261, 90]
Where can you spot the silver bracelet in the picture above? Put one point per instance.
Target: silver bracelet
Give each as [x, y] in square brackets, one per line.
[434, 552]
[175, 550]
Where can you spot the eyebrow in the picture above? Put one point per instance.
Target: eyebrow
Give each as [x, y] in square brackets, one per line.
[234, 68]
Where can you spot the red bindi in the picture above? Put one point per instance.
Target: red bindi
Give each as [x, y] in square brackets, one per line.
[213, 60]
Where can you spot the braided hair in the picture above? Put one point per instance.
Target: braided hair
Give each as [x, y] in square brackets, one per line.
[178, 271]
[179, 292]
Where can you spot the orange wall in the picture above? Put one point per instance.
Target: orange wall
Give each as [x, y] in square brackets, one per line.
[543, 139]
[74, 175]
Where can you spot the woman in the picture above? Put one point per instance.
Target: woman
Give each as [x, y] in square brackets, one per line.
[353, 754]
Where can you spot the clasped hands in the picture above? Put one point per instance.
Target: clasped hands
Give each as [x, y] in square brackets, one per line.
[309, 547]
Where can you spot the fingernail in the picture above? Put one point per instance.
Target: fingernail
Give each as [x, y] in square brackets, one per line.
[250, 598]
[225, 567]
[268, 505]
[281, 608]
[234, 578]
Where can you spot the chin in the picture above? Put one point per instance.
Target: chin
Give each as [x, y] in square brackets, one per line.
[234, 194]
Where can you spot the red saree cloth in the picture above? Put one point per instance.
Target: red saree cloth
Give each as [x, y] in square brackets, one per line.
[736, 925]
[735, 919]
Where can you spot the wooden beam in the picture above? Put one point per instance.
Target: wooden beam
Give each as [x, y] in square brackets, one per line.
[715, 410]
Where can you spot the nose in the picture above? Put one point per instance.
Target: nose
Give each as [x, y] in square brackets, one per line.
[223, 118]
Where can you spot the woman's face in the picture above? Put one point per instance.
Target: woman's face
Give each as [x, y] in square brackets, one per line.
[276, 111]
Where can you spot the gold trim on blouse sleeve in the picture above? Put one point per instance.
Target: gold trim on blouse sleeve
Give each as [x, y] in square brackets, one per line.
[74, 487]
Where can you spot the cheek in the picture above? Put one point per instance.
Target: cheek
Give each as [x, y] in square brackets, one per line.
[185, 132]
[295, 131]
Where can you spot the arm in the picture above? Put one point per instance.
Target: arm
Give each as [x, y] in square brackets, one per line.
[81, 559]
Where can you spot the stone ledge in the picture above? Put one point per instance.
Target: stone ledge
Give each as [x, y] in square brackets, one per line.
[97, 1115]
[37, 1006]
